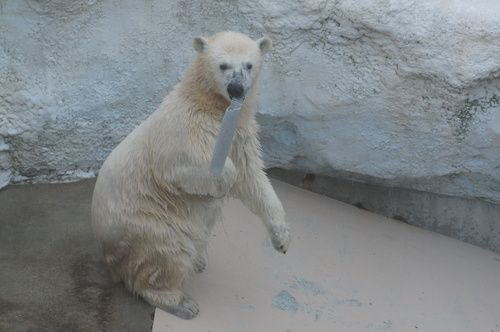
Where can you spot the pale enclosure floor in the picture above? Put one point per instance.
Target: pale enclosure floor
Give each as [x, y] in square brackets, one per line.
[346, 270]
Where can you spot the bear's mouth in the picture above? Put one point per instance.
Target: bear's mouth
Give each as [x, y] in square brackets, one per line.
[235, 90]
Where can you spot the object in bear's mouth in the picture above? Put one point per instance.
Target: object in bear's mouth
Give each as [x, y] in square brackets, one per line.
[225, 137]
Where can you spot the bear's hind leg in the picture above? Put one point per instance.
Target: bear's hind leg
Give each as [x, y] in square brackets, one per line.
[175, 302]
[155, 269]
[160, 283]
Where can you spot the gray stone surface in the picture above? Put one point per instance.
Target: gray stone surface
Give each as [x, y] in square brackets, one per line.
[398, 93]
[52, 275]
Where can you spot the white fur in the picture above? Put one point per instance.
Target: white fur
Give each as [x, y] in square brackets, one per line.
[155, 201]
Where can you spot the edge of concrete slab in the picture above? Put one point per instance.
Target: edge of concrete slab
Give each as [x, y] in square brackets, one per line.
[470, 220]
[52, 274]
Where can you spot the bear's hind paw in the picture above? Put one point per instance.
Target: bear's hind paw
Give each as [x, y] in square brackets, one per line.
[187, 309]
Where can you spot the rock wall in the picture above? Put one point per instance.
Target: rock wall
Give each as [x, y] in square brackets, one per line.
[400, 93]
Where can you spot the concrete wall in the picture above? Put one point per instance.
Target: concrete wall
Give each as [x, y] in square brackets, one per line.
[396, 93]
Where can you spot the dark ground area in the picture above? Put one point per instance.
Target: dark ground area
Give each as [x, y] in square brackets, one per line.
[52, 275]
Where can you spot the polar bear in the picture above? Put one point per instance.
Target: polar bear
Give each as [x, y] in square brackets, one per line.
[155, 201]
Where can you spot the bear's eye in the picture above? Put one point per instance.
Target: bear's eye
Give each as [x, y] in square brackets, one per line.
[223, 66]
[249, 66]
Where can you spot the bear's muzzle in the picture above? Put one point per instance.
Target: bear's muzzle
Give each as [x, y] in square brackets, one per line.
[235, 90]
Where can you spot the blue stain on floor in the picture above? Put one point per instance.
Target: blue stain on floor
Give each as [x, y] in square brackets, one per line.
[286, 302]
[308, 287]
[307, 297]
[349, 303]
[304, 289]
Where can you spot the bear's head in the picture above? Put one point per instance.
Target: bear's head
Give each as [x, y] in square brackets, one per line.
[231, 61]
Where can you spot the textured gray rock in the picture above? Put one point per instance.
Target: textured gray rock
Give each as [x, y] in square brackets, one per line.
[400, 93]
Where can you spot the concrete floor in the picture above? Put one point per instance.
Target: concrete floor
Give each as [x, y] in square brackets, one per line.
[474, 221]
[52, 277]
[346, 270]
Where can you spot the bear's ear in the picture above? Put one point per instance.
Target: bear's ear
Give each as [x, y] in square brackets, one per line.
[199, 44]
[265, 44]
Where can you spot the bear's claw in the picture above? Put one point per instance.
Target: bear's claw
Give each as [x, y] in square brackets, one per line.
[200, 265]
[280, 238]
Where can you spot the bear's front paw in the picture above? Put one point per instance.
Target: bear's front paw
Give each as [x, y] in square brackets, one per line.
[200, 264]
[226, 180]
[280, 237]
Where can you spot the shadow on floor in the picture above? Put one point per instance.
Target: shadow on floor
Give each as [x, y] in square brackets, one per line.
[52, 276]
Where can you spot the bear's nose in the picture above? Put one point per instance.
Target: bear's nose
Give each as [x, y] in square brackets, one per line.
[235, 90]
